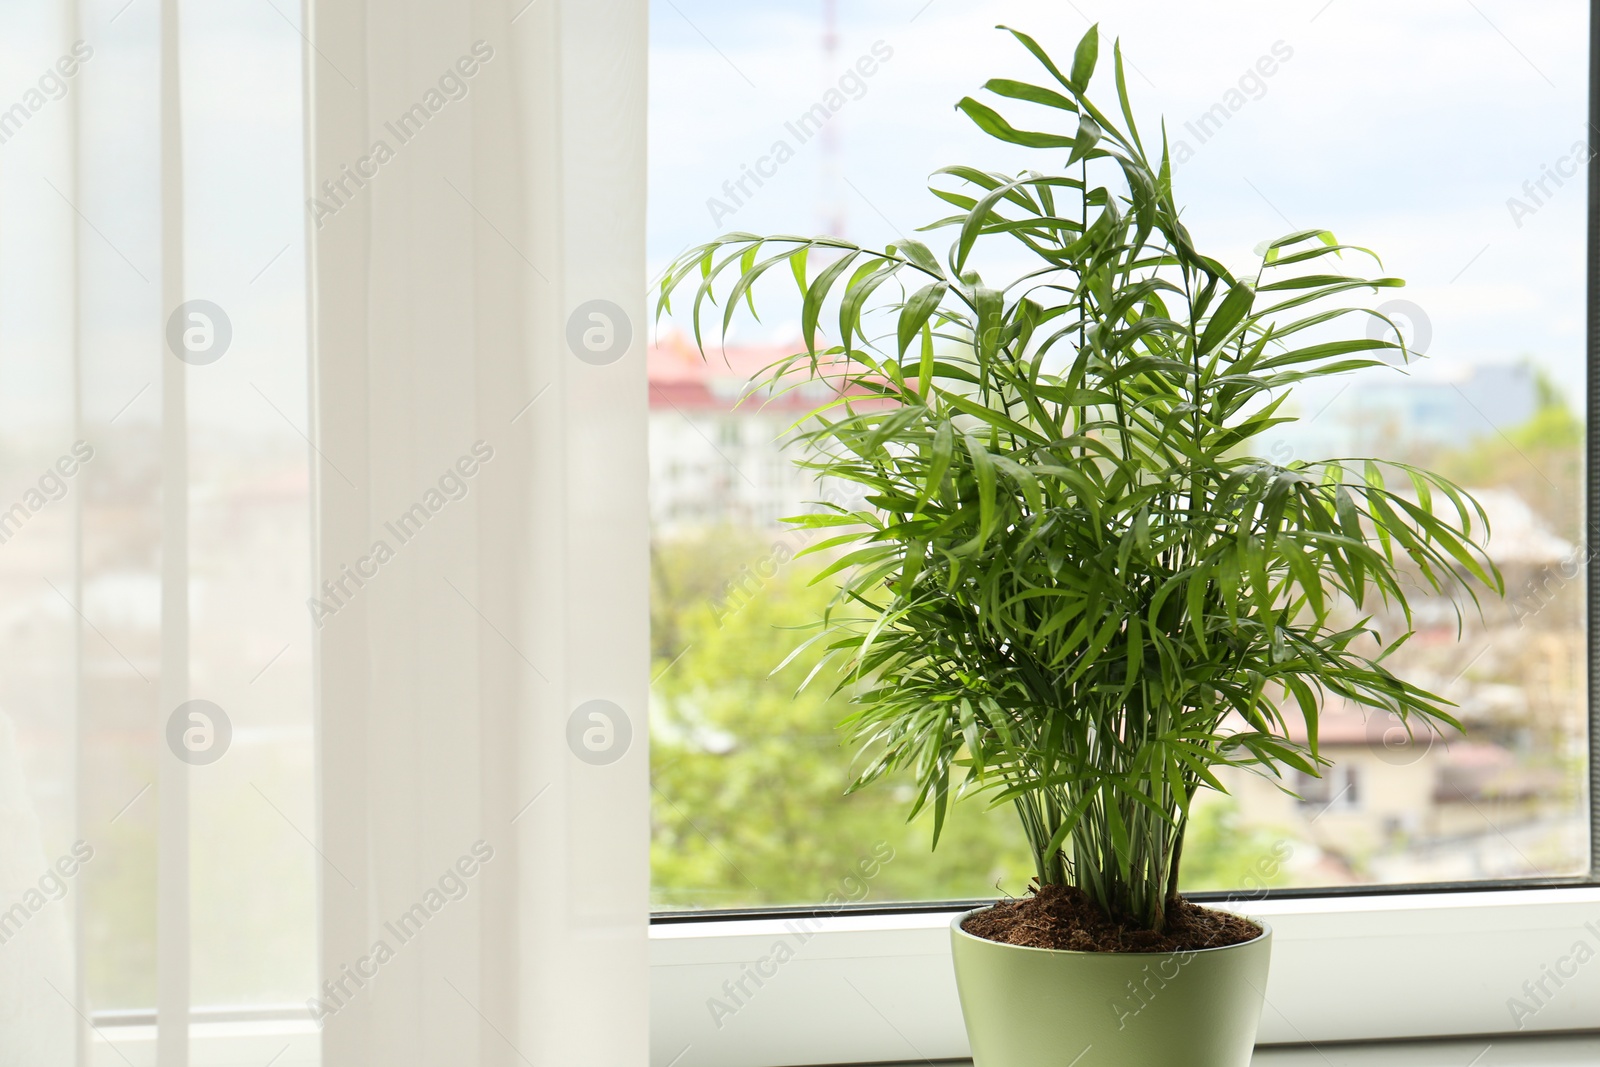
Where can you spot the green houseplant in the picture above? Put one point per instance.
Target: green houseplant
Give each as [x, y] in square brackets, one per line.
[1072, 587]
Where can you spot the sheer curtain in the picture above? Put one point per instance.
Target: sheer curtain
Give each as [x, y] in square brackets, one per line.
[98, 483]
[39, 652]
[478, 177]
[323, 655]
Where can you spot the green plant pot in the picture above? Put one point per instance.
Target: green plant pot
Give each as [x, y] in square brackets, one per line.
[1031, 1007]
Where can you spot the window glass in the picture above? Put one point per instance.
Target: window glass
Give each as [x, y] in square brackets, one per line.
[1450, 138]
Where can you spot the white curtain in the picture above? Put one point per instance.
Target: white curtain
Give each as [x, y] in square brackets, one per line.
[322, 403]
[477, 179]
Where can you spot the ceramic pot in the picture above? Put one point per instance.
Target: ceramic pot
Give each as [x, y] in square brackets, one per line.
[1028, 1007]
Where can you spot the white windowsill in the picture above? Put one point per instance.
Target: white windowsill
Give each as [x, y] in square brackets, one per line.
[224, 1044]
[297, 1046]
[1344, 969]
[1501, 1052]
[1570, 1051]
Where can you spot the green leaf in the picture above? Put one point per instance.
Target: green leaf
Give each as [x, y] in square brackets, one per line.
[1035, 94]
[1122, 95]
[1234, 307]
[1083, 60]
[1088, 136]
[1038, 53]
[797, 265]
[990, 122]
[925, 367]
[917, 311]
[811, 310]
[991, 323]
[918, 253]
[861, 285]
[941, 454]
[984, 471]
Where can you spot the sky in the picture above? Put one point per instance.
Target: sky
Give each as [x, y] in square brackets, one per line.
[1408, 127]
[1405, 128]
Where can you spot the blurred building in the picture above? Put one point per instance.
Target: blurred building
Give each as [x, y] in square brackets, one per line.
[1497, 802]
[1417, 805]
[721, 451]
[1427, 407]
[1442, 410]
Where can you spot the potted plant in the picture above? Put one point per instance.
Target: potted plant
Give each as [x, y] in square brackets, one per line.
[1072, 587]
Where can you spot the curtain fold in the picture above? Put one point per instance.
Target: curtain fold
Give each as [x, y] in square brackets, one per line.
[475, 182]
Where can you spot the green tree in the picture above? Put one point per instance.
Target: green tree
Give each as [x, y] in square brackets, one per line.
[750, 805]
[1541, 458]
[750, 775]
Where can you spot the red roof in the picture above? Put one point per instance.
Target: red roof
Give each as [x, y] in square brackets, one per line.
[682, 379]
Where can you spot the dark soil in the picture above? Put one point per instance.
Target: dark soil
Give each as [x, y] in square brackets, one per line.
[1056, 916]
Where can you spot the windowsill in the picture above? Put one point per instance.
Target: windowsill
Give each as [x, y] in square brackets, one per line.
[1343, 968]
[1569, 1051]
[1407, 966]
[1565, 1051]
[281, 1042]
[292, 1044]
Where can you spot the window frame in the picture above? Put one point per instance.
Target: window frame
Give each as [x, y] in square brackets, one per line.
[1358, 963]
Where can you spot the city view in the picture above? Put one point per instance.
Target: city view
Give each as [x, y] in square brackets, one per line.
[749, 769]
[740, 820]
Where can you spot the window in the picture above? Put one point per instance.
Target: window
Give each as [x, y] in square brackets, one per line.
[1337, 789]
[1420, 882]
[1278, 118]
[380, 734]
